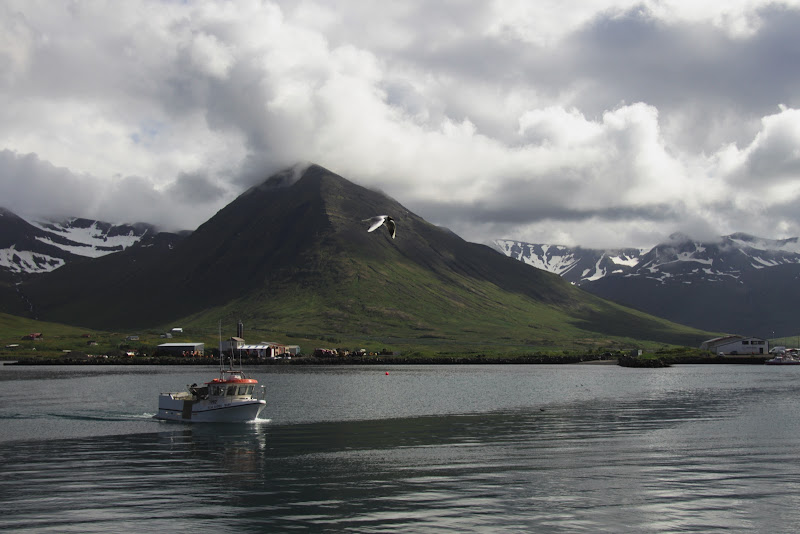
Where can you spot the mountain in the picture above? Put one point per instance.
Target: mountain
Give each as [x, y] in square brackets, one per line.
[738, 283]
[25, 248]
[30, 247]
[91, 238]
[575, 264]
[292, 255]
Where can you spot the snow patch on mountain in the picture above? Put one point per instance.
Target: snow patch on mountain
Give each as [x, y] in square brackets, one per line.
[599, 272]
[553, 258]
[18, 261]
[577, 265]
[93, 240]
[90, 251]
[689, 256]
[628, 261]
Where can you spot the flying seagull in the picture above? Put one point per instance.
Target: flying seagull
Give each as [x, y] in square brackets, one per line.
[378, 220]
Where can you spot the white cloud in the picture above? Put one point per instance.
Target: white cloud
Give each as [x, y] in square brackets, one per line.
[609, 122]
[211, 56]
[774, 154]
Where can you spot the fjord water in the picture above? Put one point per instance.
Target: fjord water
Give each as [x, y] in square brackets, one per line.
[505, 448]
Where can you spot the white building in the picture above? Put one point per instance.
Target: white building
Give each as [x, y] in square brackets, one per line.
[232, 345]
[736, 345]
[265, 349]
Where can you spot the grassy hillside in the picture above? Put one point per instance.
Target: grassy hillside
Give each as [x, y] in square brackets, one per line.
[397, 306]
[294, 261]
[58, 339]
[13, 327]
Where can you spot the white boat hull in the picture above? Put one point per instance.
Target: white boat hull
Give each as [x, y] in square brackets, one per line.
[189, 411]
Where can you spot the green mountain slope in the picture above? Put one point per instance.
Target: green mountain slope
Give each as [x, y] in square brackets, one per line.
[295, 257]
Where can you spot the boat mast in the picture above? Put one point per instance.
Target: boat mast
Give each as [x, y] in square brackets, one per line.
[220, 345]
[239, 333]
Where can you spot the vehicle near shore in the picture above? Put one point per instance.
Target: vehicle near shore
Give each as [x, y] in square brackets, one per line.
[783, 359]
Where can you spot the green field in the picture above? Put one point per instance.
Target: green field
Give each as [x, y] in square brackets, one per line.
[491, 339]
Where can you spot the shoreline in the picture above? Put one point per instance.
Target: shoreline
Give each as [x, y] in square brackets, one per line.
[625, 361]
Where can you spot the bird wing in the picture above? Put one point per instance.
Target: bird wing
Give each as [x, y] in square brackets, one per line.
[375, 222]
[391, 226]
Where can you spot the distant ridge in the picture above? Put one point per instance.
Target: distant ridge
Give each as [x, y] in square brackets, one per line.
[575, 264]
[31, 247]
[738, 283]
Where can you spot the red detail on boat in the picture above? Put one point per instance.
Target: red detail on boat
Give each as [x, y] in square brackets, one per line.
[234, 381]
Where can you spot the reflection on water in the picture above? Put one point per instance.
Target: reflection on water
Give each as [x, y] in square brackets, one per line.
[505, 448]
[691, 459]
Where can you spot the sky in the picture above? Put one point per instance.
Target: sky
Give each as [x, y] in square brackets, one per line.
[576, 122]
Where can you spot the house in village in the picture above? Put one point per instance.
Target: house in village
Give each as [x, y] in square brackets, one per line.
[182, 349]
[262, 350]
[33, 336]
[734, 344]
[232, 345]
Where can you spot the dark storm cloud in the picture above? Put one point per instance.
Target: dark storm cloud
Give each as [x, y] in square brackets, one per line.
[35, 188]
[193, 188]
[27, 183]
[452, 214]
[696, 67]
[633, 56]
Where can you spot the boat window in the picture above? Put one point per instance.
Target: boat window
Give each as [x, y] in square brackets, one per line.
[242, 390]
[231, 390]
[217, 390]
[250, 390]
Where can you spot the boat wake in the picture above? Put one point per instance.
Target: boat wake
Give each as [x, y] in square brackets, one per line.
[260, 421]
[103, 417]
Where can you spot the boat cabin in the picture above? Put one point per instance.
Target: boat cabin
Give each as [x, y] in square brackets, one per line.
[232, 384]
[230, 390]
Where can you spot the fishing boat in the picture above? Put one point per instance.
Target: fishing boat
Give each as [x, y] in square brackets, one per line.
[231, 398]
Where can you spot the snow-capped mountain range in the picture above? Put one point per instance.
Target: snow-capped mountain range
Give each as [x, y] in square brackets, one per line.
[680, 259]
[736, 284]
[576, 264]
[29, 246]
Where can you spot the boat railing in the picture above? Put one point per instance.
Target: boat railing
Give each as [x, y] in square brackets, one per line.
[177, 395]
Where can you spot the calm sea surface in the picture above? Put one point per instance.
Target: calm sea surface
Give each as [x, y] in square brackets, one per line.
[518, 448]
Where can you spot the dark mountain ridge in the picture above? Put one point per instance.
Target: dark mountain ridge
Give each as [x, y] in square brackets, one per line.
[29, 248]
[295, 254]
[738, 283]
